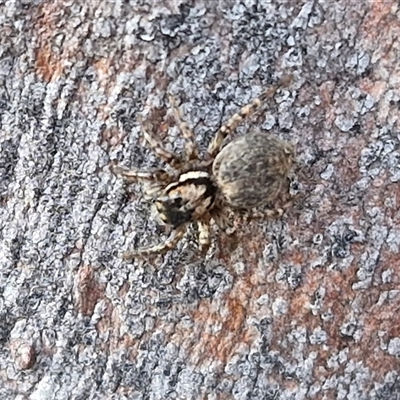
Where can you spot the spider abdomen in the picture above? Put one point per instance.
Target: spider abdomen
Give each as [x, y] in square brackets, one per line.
[253, 169]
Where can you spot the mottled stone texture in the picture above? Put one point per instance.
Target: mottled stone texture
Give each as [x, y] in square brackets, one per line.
[306, 307]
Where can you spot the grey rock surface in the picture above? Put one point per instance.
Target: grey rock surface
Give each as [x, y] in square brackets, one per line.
[304, 307]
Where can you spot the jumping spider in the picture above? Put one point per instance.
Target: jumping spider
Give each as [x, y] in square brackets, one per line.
[251, 171]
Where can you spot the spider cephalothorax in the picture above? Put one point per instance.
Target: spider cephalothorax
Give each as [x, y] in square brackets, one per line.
[248, 173]
[188, 199]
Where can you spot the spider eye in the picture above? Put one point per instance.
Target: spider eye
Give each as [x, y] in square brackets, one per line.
[171, 211]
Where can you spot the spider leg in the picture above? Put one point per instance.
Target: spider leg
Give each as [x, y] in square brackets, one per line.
[252, 214]
[191, 148]
[204, 236]
[160, 248]
[132, 175]
[268, 213]
[222, 219]
[168, 156]
[244, 112]
[231, 125]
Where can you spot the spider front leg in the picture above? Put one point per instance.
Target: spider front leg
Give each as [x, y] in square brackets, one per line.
[204, 236]
[191, 148]
[161, 248]
[132, 175]
[155, 179]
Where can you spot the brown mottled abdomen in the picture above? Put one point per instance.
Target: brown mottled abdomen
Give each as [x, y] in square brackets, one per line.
[252, 170]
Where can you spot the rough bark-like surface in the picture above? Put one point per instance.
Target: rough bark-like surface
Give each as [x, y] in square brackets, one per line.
[305, 307]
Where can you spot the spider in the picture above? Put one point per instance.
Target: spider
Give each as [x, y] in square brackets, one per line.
[246, 174]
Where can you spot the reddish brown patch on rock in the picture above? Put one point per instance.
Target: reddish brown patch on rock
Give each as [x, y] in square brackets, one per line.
[236, 312]
[375, 88]
[87, 290]
[347, 169]
[221, 326]
[23, 353]
[379, 326]
[378, 20]
[47, 64]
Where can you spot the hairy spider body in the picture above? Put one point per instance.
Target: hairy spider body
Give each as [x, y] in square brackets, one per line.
[252, 170]
[249, 172]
